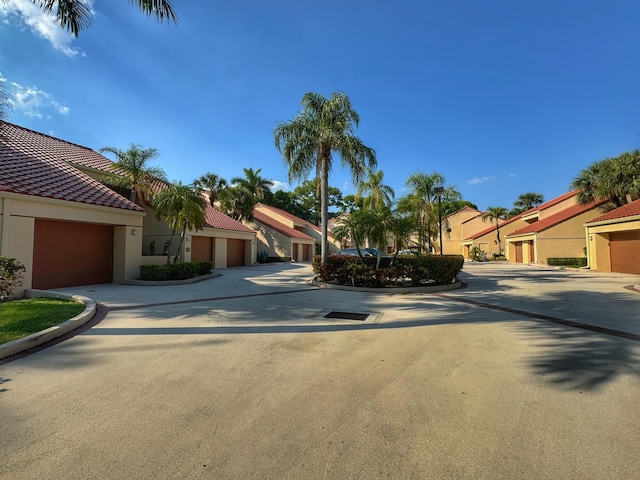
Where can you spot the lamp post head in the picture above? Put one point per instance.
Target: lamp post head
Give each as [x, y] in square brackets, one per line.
[438, 191]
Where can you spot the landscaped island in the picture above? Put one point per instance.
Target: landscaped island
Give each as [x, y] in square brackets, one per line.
[414, 271]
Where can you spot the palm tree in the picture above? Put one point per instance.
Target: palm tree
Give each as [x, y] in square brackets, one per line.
[307, 143]
[376, 225]
[182, 206]
[497, 214]
[213, 183]
[351, 226]
[133, 171]
[401, 226]
[238, 203]
[616, 179]
[527, 201]
[253, 182]
[422, 202]
[75, 15]
[374, 193]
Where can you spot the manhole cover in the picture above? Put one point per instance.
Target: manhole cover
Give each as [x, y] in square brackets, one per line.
[347, 316]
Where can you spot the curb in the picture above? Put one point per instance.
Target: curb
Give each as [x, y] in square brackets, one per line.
[161, 283]
[44, 336]
[390, 290]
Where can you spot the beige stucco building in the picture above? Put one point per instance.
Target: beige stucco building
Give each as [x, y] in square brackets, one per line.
[69, 229]
[486, 239]
[282, 234]
[613, 240]
[559, 235]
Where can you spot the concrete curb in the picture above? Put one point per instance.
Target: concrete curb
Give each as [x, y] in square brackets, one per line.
[36, 339]
[153, 283]
[390, 290]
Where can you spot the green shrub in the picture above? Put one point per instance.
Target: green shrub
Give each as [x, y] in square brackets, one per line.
[262, 256]
[205, 268]
[417, 270]
[568, 261]
[11, 271]
[475, 254]
[175, 271]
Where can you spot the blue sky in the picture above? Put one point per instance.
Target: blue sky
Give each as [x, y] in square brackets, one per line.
[502, 97]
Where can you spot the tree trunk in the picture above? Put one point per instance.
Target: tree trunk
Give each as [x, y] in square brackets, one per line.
[324, 203]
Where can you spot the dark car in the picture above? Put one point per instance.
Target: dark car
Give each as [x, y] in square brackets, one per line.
[366, 252]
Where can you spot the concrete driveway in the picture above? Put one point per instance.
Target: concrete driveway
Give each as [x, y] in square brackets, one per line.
[241, 377]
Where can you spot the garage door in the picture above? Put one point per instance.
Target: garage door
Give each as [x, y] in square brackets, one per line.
[625, 252]
[67, 254]
[235, 252]
[201, 249]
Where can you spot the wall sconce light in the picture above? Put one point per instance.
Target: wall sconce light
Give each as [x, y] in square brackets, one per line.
[134, 232]
[188, 239]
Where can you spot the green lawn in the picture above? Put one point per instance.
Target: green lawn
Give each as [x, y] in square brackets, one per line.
[19, 318]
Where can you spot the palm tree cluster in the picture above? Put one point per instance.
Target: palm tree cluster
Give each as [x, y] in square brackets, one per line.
[615, 179]
[183, 206]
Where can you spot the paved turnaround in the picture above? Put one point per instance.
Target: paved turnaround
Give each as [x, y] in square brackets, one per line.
[242, 377]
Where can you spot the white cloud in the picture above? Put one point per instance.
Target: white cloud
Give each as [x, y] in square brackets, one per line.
[277, 185]
[346, 186]
[477, 180]
[25, 12]
[32, 101]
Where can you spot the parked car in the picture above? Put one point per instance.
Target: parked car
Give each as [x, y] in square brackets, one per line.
[404, 252]
[366, 252]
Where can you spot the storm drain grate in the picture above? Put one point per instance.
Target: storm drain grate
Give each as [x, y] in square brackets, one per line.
[347, 316]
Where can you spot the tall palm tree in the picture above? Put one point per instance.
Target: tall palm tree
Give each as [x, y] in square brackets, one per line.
[527, 201]
[324, 127]
[374, 192]
[182, 206]
[253, 182]
[133, 171]
[423, 202]
[75, 15]
[212, 183]
[497, 214]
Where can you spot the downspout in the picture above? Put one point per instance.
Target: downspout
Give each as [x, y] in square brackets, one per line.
[4, 227]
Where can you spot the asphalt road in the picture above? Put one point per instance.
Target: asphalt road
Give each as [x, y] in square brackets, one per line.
[241, 377]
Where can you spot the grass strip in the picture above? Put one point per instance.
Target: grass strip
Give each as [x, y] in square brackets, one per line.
[20, 318]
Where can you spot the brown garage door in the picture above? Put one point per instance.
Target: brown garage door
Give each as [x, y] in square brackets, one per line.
[235, 252]
[625, 252]
[519, 252]
[306, 252]
[68, 254]
[201, 249]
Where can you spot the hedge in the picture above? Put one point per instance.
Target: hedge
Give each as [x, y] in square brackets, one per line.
[11, 271]
[175, 271]
[568, 261]
[407, 270]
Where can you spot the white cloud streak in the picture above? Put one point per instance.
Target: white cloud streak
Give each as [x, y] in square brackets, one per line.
[25, 13]
[31, 101]
[278, 185]
[476, 180]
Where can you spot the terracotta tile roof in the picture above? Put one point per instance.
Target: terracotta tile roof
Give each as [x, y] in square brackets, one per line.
[556, 219]
[292, 217]
[35, 164]
[279, 227]
[628, 210]
[217, 219]
[493, 227]
[539, 208]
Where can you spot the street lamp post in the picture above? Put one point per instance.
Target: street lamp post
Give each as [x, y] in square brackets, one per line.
[438, 191]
